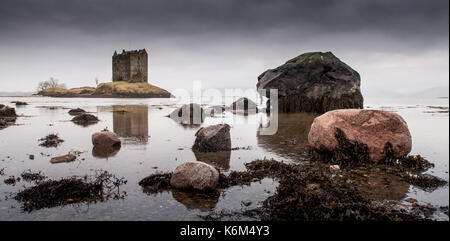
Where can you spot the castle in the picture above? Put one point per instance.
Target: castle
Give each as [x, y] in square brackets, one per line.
[130, 66]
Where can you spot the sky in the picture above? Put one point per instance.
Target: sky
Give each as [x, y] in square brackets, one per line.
[398, 47]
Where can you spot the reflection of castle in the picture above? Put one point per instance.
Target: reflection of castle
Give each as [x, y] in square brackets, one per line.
[131, 121]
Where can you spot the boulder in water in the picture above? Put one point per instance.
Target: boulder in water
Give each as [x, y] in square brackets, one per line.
[313, 82]
[383, 134]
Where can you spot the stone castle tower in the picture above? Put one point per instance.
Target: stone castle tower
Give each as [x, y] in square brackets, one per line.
[130, 66]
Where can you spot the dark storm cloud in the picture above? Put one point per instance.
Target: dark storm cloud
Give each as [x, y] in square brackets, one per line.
[427, 19]
[402, 44]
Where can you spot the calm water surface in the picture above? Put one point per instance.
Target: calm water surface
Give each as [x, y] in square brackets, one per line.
[151, 142]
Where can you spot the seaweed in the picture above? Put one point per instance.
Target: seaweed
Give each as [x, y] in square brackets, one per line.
[314, 194]
[426, 182]
[52, 193]
[51, 140]
[30, 176]
[349, 153]
[156, 183]
[11, 180]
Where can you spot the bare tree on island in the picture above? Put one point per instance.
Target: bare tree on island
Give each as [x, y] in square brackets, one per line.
[51, 83]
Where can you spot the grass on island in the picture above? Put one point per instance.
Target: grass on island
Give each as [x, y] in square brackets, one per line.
[125, 88]
[73, 91]
[119, 88]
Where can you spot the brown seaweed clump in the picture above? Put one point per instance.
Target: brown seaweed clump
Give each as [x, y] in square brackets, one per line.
[85, 119]
[30, 176]
[425, 182]
[51, 140]
[11, 180]
[355, 155]
[156, 183]
[350, 152]
[52, 193]
[312, 193]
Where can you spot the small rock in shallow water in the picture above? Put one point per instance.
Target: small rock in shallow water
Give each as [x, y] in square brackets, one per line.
[106, 139]
[76, 111]
[213, 138]
[195, 175]
[85, 119]
[64, 158]
[20, 103]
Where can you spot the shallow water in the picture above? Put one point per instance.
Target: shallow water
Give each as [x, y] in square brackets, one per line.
[152, 142]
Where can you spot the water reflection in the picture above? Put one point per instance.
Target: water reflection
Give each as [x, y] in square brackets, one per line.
[382, 186]
[105, 152]
[220, 159]
[193, 200]
[291, 139]
[131, 121]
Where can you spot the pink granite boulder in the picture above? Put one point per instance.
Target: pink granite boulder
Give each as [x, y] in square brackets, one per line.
[374, 128]
[106, 139]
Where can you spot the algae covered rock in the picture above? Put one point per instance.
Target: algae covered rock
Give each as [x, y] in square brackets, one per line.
[313, 82]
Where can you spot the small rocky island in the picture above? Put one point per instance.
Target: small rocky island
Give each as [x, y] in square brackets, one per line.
[314, 82]
[130, 80]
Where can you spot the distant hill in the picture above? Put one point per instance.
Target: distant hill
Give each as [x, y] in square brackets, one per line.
[435, 92]
[12, 94]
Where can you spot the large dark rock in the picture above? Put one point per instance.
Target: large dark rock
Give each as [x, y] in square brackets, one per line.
[213, 138]
[313, 82]
[6, 111]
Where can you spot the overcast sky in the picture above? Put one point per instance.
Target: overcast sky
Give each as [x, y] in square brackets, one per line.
[399, 46]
